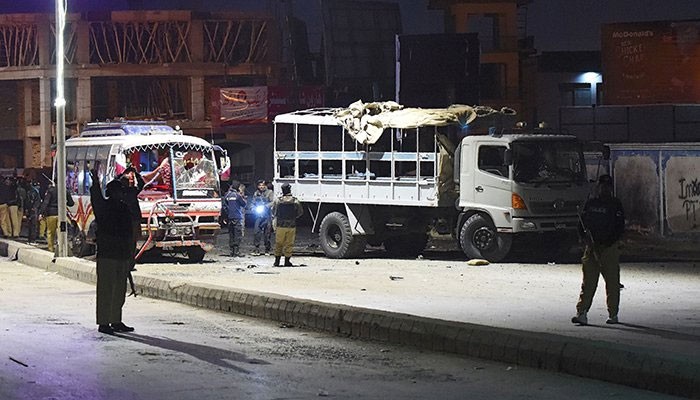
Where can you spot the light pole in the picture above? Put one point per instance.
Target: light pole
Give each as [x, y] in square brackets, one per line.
[60, 104]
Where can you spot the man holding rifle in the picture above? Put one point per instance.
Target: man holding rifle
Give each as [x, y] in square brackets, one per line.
[601, 225]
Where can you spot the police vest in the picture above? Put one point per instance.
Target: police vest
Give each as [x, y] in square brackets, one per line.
[286, 212]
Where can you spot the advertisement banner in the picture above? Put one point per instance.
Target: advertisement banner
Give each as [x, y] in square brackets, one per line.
[284, 99]
[651, 62]
[260, 104]
[242, 105]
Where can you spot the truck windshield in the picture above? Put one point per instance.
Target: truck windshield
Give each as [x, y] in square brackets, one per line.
[547, 161]
[195, 173]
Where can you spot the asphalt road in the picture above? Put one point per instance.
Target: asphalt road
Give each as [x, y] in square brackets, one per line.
[50, 349]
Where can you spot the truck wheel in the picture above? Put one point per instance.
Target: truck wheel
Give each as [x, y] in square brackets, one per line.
[406, 245]
[195, 254]
[479, 239]
[336, 237]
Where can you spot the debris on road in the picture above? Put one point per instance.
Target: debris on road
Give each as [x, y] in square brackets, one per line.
[395, 278]
[477, 261]
[19, 362]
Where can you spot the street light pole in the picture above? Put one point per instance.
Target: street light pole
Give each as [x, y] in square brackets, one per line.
[60, 104]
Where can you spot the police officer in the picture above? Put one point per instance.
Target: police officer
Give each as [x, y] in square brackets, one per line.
[133, 184]
[114, 252]
[262, 231]
[602, 225]
[233, 211]
[286, 209]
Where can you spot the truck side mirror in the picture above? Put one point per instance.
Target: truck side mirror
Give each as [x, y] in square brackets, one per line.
[508, 157]
[606, 152]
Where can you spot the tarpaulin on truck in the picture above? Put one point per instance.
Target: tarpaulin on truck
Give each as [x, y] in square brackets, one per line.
[366, 122]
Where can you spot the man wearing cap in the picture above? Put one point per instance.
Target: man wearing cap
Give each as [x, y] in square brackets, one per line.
[285, 210]
[602, 224]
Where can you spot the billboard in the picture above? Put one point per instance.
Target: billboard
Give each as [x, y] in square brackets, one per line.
[651, 62]
[260, 104]
[239, 106]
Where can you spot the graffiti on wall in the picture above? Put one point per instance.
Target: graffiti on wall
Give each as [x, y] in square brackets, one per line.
[683, 194]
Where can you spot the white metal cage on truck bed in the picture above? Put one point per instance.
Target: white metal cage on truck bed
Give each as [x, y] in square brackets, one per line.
[314, 153]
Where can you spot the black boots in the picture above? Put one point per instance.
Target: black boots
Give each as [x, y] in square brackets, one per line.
[287, 262]
[121, 327]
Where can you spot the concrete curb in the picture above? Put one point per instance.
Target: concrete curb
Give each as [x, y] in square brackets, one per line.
[616, 363]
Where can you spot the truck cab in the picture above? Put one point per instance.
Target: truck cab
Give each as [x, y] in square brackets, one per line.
[523, 187]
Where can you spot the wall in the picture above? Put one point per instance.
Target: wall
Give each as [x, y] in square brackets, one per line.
[659, 186]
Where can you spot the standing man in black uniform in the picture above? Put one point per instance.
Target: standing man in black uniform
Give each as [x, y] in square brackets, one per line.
[602, 225]
[286, 209]
[114, 252]
[262, 205]
[233, 211]
[133, 183]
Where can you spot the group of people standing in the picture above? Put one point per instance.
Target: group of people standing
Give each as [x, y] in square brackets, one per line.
[22, 203]
[278, 215]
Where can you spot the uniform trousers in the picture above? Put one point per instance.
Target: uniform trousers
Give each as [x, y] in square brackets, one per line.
[5, 223]
[111, 289]
[51, 228]
[15, 220]
[600, 260]
[284, 241]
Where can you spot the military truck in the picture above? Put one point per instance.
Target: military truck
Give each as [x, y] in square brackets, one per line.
[394, 181]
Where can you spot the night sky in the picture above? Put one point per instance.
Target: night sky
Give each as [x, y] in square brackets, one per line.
[556, 24]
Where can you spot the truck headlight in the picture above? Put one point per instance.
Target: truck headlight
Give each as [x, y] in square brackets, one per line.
[528, 225]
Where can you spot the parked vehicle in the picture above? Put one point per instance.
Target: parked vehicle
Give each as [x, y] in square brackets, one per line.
[486, 191]
[180, 203]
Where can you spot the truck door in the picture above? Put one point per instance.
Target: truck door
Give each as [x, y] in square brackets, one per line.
[492, 184]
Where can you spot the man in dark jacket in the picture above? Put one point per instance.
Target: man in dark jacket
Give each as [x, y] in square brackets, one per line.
[233, 212]
[286, 209]
[602, 225]
[49, 211]
[114, 251]
[262, 230]
[133, 184]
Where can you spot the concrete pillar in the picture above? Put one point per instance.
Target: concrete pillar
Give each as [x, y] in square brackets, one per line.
[195, 40]
[82, 47]
[83, 100]
[43, 32]
[27, 110]
[197, 98]
[45, 109]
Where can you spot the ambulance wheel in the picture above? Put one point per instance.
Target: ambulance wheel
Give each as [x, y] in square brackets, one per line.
[336, 238]
[479, 239]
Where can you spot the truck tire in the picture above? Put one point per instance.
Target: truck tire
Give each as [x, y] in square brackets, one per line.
[195, 254]
[336, 237]
[479, 239]
[406, 246]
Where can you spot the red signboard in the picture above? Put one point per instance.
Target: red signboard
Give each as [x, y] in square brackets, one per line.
[260, 104]
[651, 62]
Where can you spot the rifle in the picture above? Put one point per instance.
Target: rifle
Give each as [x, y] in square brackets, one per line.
[588, 238]
[131, 284]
